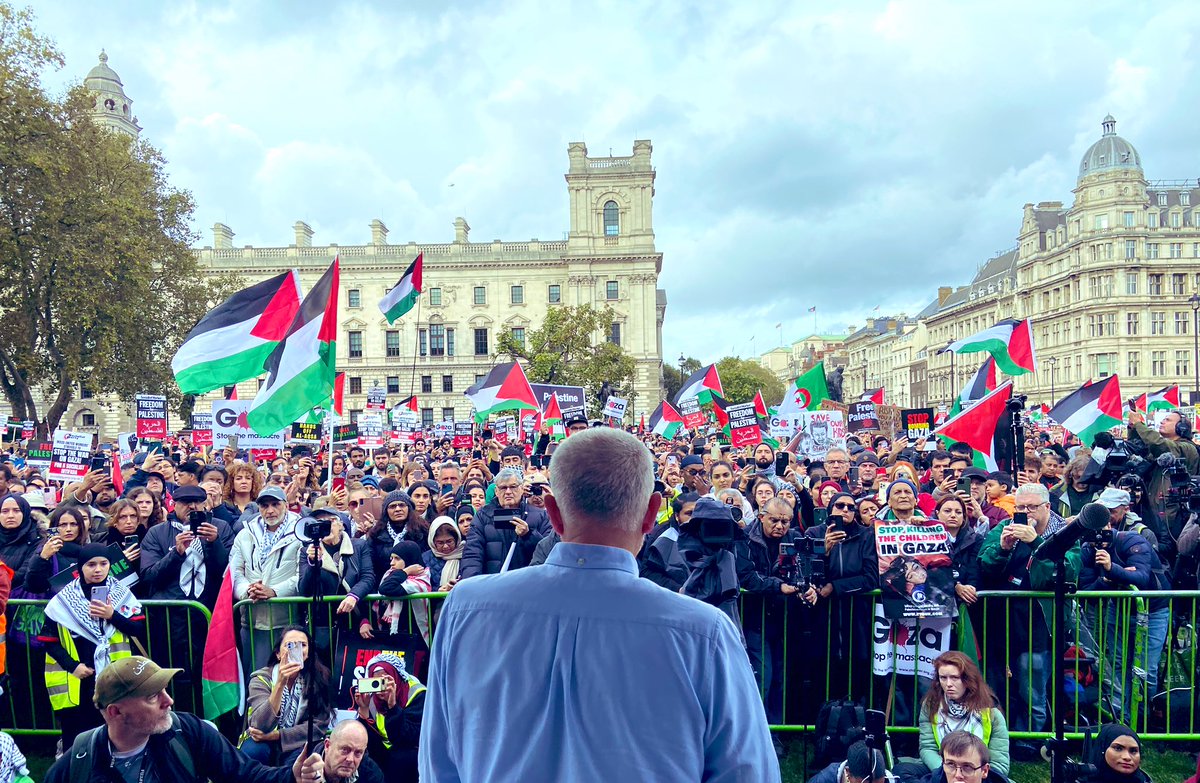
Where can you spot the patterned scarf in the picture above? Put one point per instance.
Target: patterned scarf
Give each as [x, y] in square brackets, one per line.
[291, 705]
[956, 717]
[12, 761]
[193, 574]
[268, 539]
[75, 604]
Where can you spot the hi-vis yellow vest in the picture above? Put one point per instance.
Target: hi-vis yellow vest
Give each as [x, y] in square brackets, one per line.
[5, 570]
[64, 686]
[412, 694]
[985, 718]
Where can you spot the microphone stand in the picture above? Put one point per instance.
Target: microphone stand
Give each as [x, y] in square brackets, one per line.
[314, 602]
[1058, 745]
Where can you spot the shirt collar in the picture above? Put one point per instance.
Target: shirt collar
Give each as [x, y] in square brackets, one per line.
[592, 556]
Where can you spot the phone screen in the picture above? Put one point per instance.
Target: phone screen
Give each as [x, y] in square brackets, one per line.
[781, 464]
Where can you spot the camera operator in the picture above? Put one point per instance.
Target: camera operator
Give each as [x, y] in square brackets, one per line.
[1174, 437]
[392, 717]
[338, 565]
[863, 764]
[1114, 559]
[265, 564]
[507, 521]
[661, 561]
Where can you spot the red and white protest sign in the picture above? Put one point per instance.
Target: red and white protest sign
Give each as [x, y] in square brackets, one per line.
[151, 416]
[202, 429]
[693, 417]
[464, 433]
[71, 456]
[743, 425]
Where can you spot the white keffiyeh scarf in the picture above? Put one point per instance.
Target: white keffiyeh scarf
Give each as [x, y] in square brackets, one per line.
[69, 608]
[192, 574]
[291, 704]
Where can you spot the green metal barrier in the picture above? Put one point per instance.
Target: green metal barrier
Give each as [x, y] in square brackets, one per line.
[821, 655]
[25, 706]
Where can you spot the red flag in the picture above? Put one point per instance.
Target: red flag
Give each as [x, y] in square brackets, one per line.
[221, 671]
[760, 405]
[118, 478]
[339, 391]
[642, 424]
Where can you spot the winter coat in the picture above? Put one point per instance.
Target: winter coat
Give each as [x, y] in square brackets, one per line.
[353, 558]
[280, 571]
[661, 561]
[487, 546]
[964, 556]
[161, 563]
[852, 568]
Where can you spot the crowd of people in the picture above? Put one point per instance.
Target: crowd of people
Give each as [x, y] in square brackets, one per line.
[786, 548]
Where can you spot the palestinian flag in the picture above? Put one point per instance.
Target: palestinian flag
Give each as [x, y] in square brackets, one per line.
[231, 392]
[982, 382]
[1093, 408]
[339, 394]
[1165, 399]
[301, 373]
[222, 683]
[642, 424]
[234, 340]
[977, 426]
[760, 405]
[807, 392]
[404, 295]
[552, 413]
[1010, 343]
[665, 420]
[719, 404]
[702, 384]
[1040, 414]
[504, 389]
[872, 395]
[409, 402]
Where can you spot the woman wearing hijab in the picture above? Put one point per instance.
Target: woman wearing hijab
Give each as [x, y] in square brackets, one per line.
[444, 554]
[392, 717]
[406, 575]
[277, 701]
[19, 536]
[89, 624]
[1117, 754]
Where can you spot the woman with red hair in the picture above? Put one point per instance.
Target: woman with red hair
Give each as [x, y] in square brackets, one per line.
[960, 700]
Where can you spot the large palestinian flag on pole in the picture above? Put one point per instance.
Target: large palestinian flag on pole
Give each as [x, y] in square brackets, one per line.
[982, 382]
[1165, 399]
[1093, 408]
[702, 385]
[665, 420]
[404, 295]
[807, 392]
[504, 389]
[1010, 343]
[301, 372]
[977, 427]
[233, 341]
[222, 686]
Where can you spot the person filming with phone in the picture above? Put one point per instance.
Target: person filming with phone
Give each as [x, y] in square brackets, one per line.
[390, 704]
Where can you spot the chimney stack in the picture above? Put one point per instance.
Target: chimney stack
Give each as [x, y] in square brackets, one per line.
[379, 232]
[461, 231]
[304, 234]
[222, 236]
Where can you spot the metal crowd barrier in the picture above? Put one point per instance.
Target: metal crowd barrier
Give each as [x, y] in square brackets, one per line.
[811, 655]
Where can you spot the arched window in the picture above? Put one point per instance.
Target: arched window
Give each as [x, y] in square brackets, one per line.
[611, 219]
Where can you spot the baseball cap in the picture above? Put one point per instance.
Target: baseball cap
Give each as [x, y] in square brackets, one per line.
[132, 676]
[272, 492]
[975, 474]
[1112, 497]
[577, 418]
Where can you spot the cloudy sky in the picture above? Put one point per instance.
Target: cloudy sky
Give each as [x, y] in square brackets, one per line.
[843, 159]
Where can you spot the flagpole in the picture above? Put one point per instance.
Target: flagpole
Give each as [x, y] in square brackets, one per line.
[412, 379]
[329, 426]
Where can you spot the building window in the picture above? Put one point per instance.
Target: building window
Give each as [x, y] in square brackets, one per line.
[1131, 248]
[426, 384]
[1132, 361]
[1158, 362]
[1132, 321]
[1151, 250]
[1178, 283]
[356, 348]
[1185, 198]
[87, 419]
[554, 294]
[1128, 218]
[449, 341]
[1181, 323]
[481, 342]
[447, 384]
[423, 342]
[1162, 199]
[614, 333]
[480, 295]
[612, 220]
[437, 340]
[393, 384]
[1158, 323]
[435, 297]
[479, 377]
[611, 290]
[261, 382]
[447, 414]
[355, 384]
[85, 393]
[1176, 250]
[1100, 222]
[517, 294]
[1176, 220]
[1154, 284]
[427, 417]
[1106, 364]
[1183, 362]
[391, 340]
[1110, 324]
[1151, 219]
[354, 295]
[1131, 282]
[518, 335]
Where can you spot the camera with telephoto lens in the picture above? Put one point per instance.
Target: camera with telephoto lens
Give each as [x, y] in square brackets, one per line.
[1185, 488]
[317, 528]
[195, 520]
[801, 563]
[1094, 540]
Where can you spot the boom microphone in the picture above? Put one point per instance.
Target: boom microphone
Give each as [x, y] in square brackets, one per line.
[1091, 517]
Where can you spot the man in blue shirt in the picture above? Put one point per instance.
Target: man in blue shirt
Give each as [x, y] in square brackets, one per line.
[578, 669]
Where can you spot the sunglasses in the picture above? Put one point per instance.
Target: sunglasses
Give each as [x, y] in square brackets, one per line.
[844, 506]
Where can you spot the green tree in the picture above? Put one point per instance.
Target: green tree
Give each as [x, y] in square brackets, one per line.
[672, 379]
[97, 280]
[742, 378]
[565, 350]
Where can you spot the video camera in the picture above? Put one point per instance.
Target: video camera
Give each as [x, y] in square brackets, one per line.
[1185, 488]
[316, 528]
[1121, 458]
[1097, 539]
[801, 563]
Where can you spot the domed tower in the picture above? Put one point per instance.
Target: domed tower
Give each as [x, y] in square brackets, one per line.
[112, 108]
[1110, 172]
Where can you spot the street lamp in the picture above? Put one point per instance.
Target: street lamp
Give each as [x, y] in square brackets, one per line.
[1194, 301]
[953, 380]
[682, 359]
[1053, 362]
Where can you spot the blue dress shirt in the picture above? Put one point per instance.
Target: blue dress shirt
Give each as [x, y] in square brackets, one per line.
[578, 670]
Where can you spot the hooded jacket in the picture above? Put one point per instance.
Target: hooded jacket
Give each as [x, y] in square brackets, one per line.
[487, 546]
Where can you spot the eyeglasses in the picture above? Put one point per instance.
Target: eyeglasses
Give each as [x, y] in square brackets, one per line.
[837, 462]
[1027, 508]
[844, 506]
[508, 488]
[694, 471]
[963, 769]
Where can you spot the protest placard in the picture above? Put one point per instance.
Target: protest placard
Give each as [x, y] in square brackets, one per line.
[464, 432]
[345, 433]
[782, 426]
[917, 423]
[229, 418]
[816, 433]
[71, 455]
[861, 416]
[306, 432]
[614, 408]
[38, 454]
[692, 416]
[909, 646]
[118, 568]
[202, 429]
[376, 398]
[151, 416]
[915, 574]
[743, 425]
[570, 398]
[26, 430]
[370, 430]
[405, 431]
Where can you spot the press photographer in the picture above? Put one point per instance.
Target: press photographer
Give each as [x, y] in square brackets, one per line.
[1174, 437]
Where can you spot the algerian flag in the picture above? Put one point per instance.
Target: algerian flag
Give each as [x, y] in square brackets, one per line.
[807, 392]
[404, 295]
[232, 341]
[1010, 343]
[1091, 409]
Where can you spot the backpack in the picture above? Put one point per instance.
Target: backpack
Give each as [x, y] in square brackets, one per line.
[84, 747]
[840, 723]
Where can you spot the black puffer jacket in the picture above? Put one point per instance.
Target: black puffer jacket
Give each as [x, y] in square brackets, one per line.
[381, 535]
[19, 546]
[757, 607]
[852, 568]
[487, 546]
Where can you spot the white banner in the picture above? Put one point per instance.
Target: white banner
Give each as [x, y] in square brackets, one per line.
[615, 408]
[229, 418]
[816, 433]
[909, 646]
